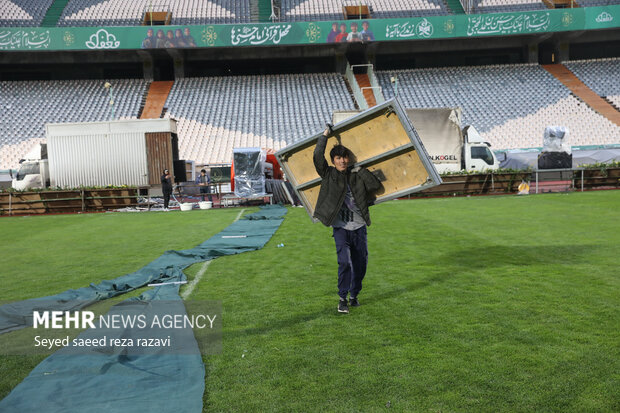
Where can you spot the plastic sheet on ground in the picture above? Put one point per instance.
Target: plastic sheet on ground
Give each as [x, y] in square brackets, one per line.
[119, 381]
[249, 172]
[19, 314]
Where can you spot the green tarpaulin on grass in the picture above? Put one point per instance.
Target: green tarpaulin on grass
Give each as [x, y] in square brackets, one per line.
[92, 381]
[117, 380]
[257, 228]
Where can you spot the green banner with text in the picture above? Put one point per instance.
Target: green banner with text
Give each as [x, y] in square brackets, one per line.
[300, 33]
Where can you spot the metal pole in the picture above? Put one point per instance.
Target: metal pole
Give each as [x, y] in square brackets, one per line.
[394, 80]
[582, 180]
[109, 86]
[396, 87]
[536, 181]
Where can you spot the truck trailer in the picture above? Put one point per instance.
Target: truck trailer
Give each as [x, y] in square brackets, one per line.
[451, 148]
[122, 152]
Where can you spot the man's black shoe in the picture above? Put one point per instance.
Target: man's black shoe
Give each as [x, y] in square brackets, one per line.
[353, 302]
[342, 306]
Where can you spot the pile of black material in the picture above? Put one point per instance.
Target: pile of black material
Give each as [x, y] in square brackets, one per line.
[280, 196]
[555, 160]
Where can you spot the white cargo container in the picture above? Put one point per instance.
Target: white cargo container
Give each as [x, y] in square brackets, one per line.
[124, 152]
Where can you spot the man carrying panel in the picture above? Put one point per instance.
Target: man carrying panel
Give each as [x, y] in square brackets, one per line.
[344, 197]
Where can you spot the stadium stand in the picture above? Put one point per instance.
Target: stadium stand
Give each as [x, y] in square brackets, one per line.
[510, 105]
[309, 10]
[28, 105]
[216, 114]
[23, 13]
[593, 3]
[131, 13]
[501, 6]
[596, 75]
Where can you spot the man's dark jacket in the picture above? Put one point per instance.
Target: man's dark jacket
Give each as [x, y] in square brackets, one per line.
[334, 186]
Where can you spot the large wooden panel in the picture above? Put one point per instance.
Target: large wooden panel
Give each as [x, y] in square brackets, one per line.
[367, 138]
[382, 140]
[158, 154]
[402, 172]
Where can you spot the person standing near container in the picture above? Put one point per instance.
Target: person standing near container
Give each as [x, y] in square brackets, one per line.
[345, 194]
[166, 188]
[203, 181]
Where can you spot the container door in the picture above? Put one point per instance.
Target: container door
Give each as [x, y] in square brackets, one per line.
[158, 155]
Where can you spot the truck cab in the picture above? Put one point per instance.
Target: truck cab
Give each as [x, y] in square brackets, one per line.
[33, 171]
[32, 175]
[476, 153]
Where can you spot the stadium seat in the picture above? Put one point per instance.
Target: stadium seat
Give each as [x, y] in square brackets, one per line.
[510, 105]
[596, 75]
[28, 105]
[23, 13]
[131, 13]
[265, 111]
[313, 10]
[502, 6]
[593, 3]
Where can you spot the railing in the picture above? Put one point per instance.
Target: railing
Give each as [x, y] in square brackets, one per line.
[355, 87]
[378, 95]
[159, 7]
[540, 181]
[468, 6]
[375, 84]
[275, 13]
[78, 200]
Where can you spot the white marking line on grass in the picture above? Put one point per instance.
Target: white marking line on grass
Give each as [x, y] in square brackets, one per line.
[239, 215]
[203, 269]
[196, 280]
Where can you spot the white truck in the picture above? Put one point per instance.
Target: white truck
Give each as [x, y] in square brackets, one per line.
[451, 148]
[123, 152]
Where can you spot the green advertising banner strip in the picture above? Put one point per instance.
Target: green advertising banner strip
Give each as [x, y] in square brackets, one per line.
[299, 33]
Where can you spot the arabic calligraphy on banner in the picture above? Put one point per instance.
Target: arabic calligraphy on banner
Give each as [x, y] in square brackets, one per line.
[298, 33]
[257, 35]
[102, 40]
[24, 39]
[423, 29]
[508, 23]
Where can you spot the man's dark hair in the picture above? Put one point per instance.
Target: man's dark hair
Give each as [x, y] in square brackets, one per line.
[340, 150]
[202, 170]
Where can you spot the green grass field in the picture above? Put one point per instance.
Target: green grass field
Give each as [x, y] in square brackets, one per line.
[470, 304]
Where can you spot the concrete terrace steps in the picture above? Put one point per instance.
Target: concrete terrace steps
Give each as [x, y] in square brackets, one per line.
[156, 99]
[264, 10]
[364, 81]
[455, 6]
[53, 13]
[583, 92]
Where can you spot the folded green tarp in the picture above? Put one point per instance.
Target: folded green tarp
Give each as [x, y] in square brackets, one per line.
[257, 229]
[92, 381]
[117, 380]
